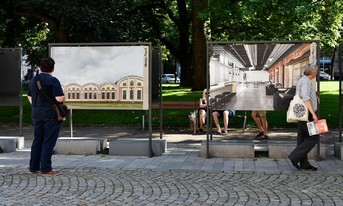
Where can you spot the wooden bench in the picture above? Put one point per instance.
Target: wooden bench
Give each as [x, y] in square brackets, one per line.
[194, 106]
[173, 105]
[180, 105]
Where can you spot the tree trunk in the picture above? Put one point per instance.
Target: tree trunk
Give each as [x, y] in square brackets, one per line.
[199, 46]
[185, 54]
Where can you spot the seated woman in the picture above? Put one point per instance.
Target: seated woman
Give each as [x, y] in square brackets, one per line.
[203, 110]
[226, 114]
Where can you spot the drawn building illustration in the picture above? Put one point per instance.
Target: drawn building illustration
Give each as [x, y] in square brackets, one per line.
[129, 88]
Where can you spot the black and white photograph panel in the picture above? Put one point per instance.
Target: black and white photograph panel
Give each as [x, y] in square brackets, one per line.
[257, 76]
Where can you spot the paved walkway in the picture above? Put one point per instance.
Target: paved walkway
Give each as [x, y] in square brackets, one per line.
[178, 177]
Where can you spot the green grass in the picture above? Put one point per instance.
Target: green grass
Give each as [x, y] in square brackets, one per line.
[329, 102]
[173, 92]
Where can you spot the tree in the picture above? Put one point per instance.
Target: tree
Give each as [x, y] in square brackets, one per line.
[277, 20]
[199, 45]
[168, 22]
[74, 21]
[177, 25]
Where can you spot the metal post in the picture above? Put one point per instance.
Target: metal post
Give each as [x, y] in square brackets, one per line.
[143, 125]
[318, 89]
[208, 109]
[340, 92]
[21, 111]
[71, 122]
[150, 101]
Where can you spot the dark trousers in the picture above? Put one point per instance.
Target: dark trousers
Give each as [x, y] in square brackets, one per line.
[45, 137]
[305, 144]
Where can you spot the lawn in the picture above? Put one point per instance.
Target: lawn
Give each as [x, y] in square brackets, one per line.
[329, 110]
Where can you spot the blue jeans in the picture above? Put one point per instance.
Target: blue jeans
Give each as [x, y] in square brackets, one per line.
[46, 132]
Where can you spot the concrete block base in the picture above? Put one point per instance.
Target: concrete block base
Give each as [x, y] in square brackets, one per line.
[71, 146]
[8, 145]
[137, 147]
[103, 141]
[20, 140]
[281, 150]
[229, 148]
[338, 150]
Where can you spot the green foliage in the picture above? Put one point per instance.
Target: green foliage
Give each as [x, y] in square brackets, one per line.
[32, 24]
[173, 92]
[277, 20]
[178, 118]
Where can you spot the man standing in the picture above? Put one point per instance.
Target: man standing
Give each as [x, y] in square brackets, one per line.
[305, 143]
[46, 125]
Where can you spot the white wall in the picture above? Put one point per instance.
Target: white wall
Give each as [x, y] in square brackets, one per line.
[257, 76]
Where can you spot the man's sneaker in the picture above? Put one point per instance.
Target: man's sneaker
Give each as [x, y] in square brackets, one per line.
[312, 168]
[51, 173]
[295, 164]
[32, 172]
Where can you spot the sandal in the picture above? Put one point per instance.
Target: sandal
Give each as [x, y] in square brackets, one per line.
[258, 136]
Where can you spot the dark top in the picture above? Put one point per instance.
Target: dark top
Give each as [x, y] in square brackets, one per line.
[41, 107]
[204, 108]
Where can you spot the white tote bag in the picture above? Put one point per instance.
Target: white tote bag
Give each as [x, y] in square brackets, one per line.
[297, 110]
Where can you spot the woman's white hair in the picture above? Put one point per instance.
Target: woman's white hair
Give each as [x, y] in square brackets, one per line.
[310, 69]
[204, 92]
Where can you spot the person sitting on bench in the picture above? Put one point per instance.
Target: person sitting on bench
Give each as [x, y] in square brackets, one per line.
[226, 114]
[202, 110]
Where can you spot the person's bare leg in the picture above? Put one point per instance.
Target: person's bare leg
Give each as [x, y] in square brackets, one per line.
[264, 125]
[257, 120]
[202, 117]
[226, 121]
[215, 116]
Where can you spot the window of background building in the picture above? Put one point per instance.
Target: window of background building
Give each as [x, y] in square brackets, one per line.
[139, 94]
[131, 94]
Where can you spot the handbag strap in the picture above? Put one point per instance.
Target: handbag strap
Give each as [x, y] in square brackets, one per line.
[40, 89]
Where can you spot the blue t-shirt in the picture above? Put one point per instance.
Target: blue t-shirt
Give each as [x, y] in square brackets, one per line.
[41, 107]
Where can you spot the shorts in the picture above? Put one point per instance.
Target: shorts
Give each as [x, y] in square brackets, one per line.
[221, 113]
[260, 113]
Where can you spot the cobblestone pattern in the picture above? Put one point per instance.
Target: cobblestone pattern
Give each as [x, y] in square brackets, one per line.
[96, 186]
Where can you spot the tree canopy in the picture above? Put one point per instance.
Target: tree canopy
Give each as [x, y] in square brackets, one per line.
[181, 27]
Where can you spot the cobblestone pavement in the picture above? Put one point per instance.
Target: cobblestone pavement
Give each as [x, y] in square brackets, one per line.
[106, 186]
[178, 177]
